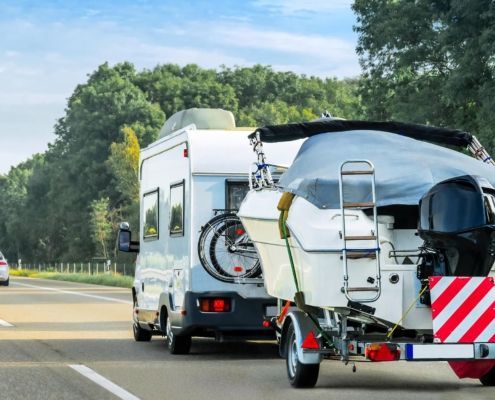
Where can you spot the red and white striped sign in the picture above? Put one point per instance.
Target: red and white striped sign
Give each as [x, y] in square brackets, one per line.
[463, 309]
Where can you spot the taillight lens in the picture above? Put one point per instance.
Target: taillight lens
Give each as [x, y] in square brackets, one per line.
[214, 304]
[382, 352]
[3, 263]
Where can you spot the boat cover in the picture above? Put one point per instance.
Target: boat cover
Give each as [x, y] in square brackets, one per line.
[301, 130]
[405, 168]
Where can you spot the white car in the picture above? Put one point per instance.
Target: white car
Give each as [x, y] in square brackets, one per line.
[4, 271]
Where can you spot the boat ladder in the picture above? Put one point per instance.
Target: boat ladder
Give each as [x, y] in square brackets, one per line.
[371, 250]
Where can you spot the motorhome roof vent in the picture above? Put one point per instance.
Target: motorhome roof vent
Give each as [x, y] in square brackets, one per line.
[202, 118]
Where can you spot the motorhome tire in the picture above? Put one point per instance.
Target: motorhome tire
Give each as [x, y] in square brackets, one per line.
[177, 344]
[140, 334]
[300, 375]
[489, 378]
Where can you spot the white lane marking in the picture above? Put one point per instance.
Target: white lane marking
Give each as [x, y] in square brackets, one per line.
[5, 323]
[93, 296]
[103, 382]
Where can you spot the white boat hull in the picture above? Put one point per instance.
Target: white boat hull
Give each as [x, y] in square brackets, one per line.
[316, 249]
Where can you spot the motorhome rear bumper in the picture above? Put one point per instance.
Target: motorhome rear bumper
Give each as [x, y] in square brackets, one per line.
[245, 318]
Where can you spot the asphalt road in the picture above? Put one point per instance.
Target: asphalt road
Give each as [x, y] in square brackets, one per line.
[74, 341]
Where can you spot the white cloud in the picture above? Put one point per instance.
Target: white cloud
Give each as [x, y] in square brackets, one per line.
[31, 99]
[310, 45]
[310, 54]
[148, 55]
[11, 54]
[43, 62]
[293, 7]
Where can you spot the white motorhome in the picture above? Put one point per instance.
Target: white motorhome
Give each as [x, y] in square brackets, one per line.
[198, 168]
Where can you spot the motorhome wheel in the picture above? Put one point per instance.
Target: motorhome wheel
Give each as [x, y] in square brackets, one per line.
[177, 344]
[140, 334]
[300, 375]
[489, 378]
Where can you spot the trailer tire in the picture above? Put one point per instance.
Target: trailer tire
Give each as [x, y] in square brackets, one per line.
[489, 378]
[300, 375]
[177, 344]
[140, 334]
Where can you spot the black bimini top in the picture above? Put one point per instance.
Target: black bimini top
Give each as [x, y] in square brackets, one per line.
[288, 132]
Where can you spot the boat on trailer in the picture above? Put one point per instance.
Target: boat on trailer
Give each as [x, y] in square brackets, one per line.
[378, 242]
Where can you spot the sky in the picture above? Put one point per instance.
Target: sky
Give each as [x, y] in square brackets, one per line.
[48, 47]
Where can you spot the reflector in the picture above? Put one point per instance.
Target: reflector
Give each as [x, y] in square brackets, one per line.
[310, 342]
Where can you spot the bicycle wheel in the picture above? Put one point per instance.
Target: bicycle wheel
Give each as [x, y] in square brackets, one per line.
[225, 250]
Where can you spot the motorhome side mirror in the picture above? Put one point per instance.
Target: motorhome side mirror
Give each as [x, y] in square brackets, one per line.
[125, 240]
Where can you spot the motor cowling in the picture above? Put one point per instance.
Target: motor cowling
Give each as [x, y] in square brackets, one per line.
[457, 224]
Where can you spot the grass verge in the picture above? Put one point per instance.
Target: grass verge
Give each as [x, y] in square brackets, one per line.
[101, 279]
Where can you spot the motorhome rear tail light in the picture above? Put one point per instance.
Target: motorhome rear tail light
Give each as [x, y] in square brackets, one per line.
[266, 323]
[2, 262]
[382, 352]
[215, 304]
[310, 342]
[186, 153]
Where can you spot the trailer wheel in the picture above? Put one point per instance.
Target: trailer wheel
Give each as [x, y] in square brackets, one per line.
[300, 375]
[489, 378]
[177, 344]
[140, 334]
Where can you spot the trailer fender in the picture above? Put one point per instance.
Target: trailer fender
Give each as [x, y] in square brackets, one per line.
[302, 326]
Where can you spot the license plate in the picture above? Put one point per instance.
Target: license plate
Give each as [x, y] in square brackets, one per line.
[439, 351]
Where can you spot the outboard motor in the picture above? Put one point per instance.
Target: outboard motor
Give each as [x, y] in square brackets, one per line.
[457, 224]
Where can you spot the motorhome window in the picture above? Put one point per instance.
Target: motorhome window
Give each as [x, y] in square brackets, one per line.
[150, 217]
[177, 209]
[235, 193]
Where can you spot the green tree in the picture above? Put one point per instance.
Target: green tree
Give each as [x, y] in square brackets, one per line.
[53, 204]
[124, 165]
[101, 225]
[15, 225]
[428, 61]
[95, 116]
